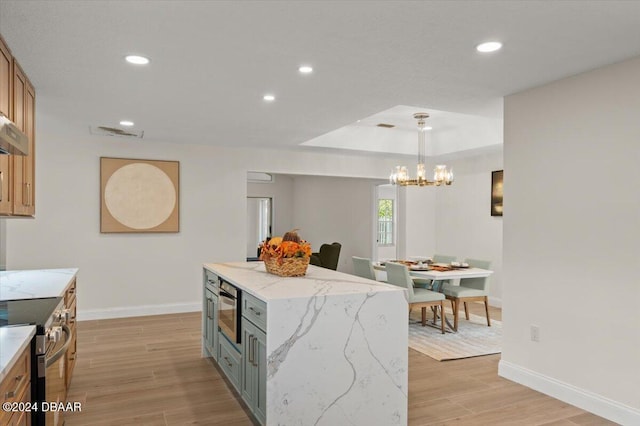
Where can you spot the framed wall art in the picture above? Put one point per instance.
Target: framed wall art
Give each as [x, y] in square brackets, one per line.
[496, 192]
[139, 195]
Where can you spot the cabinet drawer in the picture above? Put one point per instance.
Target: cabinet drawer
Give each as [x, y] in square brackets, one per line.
[16, 381]
[70, 294]
[255, 310]
[211, 281]
[230, 362]
[20, 418]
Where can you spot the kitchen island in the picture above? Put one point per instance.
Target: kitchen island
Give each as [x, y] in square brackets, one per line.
[335, 346]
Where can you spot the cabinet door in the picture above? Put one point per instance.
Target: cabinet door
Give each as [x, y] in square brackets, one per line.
[5, 79]
[23, 117]
[5, 103]
[254, 373]
[210, 331]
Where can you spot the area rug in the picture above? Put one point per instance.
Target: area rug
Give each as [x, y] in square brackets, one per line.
[473, 338]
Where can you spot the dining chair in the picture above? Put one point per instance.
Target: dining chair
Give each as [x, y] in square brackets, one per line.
[427, 283]
[363, 267]
[470, 290]
[398, 274]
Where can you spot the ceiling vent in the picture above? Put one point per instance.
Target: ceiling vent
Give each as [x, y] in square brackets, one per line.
[385, 125]
[114, 131]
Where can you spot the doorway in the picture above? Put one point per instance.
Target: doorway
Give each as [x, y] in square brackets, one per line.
[259, 217]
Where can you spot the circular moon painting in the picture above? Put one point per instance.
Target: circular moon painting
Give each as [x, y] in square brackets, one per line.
[140, 196]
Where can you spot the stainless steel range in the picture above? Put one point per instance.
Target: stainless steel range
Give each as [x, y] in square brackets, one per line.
[48, 347]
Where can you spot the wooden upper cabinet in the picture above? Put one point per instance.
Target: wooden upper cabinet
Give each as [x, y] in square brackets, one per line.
[17, 172]
[23, 118]
[6, 94]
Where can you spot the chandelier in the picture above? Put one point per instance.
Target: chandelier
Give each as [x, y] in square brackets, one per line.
[441, 175]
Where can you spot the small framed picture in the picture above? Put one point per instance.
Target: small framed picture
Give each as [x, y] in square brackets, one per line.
[496, 192]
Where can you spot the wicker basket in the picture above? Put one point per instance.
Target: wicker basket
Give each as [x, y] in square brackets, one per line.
[287, 267]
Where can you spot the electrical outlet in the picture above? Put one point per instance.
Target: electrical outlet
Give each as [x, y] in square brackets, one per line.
[535, 333]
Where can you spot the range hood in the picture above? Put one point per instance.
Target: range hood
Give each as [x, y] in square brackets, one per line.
[12, 140]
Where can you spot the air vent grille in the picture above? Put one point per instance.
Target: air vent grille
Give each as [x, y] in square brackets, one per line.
[114, 131]
[386, 126]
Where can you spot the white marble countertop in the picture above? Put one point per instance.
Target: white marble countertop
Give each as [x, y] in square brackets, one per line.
[255, 280]
[13, 340]
[34, 284]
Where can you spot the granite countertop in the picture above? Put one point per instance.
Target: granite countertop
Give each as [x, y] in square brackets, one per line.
[255, 280]
[35, 284]
[13, 340]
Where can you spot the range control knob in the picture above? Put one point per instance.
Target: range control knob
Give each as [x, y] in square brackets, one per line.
[54, 334]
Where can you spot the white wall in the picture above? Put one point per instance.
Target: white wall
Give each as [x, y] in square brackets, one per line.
[328, 209]
[123, 273]
[419, 220]
[572, 240]
[3, 244]
[464, 225]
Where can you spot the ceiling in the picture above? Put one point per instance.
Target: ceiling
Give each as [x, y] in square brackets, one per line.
[212, 62]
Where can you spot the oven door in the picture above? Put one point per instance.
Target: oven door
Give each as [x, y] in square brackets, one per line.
[228, 311]
[55, 367]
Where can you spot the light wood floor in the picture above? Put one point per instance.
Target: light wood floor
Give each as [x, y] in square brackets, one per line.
[148, 371]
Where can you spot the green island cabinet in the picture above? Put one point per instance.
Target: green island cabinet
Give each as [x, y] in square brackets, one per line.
[210, 316]
[254, 349]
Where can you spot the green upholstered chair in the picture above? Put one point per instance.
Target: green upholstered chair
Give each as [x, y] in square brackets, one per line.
[470, 290]
[327, 256]
[427, 283]
[442, 258]
[398, 274]
[363, 267]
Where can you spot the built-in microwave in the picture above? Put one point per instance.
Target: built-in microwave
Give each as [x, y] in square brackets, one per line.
[229, 310]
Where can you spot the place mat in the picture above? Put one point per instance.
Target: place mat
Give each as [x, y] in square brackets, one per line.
[473, 338]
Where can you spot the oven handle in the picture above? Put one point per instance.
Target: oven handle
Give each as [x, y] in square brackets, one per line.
[62, 350]
[227, 295]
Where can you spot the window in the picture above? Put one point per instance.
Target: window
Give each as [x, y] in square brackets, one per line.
[385, 222]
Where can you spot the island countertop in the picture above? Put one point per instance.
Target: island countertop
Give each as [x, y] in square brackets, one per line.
[336, 345]
[34, 283]
[254, 279]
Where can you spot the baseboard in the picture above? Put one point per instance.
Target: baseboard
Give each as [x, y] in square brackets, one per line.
[137, 311]
[589, 401]
[495, 302]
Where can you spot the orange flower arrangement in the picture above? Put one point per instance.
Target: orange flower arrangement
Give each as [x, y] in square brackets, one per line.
[287, 256]
[282, 249]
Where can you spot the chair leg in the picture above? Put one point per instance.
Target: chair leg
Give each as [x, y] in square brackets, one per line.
[424, 316]
[486, 309]
[456, 306]
[453, 306]
[466, 311]
[442, 319]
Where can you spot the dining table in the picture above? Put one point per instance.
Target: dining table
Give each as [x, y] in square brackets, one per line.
[439, 273]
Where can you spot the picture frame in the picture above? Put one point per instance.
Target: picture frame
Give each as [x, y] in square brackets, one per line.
[139, 196]
[497, 178]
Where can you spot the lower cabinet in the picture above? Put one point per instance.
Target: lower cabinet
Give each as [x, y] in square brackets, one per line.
[254, 369]
[15, 388]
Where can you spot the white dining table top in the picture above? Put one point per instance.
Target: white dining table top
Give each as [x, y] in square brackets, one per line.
[422, 272]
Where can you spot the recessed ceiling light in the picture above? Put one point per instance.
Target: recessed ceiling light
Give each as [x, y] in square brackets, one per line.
[269, 98]
[137, 60]
[490, 46]
[126, 123]
[305, 69]
[428, 128]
